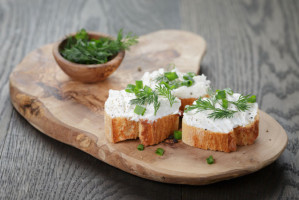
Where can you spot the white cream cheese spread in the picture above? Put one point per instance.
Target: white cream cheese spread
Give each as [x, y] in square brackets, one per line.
[200, 119]
[118, 105]
[198, 89]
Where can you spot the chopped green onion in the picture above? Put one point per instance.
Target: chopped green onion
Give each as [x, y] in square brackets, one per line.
[210, 160]
[221, 94]
[147, 89]
[186, 77]
[139, 84]
[174, 87]
[187, 83]
[229, 91]
[160, 151]
[140, 147]
[252, 99]
[130, 88]
[225, 103]
[139, 110]
[191, 74]
[178, 135]
[171, 75]
[165, 84]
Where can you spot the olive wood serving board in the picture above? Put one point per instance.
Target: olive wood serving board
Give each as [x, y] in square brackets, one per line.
[73, 113]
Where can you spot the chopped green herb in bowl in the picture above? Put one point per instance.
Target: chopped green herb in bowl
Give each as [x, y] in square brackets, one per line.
[91, 57]
[85, 49]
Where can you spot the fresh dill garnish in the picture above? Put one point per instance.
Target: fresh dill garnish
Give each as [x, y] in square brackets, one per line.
[156, 103]
[220, 97]
[83, 50]
[165, 92]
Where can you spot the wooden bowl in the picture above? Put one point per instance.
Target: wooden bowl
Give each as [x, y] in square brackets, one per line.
[89, 73]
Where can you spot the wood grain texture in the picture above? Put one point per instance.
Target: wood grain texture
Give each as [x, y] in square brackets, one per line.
[257, 41]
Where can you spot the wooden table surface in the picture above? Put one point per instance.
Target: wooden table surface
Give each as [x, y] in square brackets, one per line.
[253, 46]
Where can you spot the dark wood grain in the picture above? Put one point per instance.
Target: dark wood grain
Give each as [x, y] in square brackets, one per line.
[253, 46]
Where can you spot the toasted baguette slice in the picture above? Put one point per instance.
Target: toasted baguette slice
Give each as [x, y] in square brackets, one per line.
[150, 133]
[226, 142]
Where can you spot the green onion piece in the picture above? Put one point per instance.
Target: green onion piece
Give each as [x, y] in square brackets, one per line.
[160, 151]
[147, 89]
[191, 74]
[139, 110]
[164, 83]
[140, 147]
[177, 135]
[252, 99]
[225, 103]
[187, 83]
[221, 94]
[139, 84]
[171, 75]
[210, 160]
[130, 88]
[185, 77]
[174, 87]
[229, 91]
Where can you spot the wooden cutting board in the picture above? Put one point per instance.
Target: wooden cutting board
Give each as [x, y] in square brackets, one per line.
[73, 113]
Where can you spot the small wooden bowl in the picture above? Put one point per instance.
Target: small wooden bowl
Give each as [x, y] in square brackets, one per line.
[87, 73]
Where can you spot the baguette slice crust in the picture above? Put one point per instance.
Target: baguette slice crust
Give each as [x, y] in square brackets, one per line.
[227, 142]
[248, 134]
[120, 128]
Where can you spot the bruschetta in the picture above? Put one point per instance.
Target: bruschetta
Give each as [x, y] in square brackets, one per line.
[221, 122]
[140, 112]
[186, 86]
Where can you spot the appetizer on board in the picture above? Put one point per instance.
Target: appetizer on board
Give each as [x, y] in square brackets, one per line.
[141, 112]
[186, 86]
[221, 122]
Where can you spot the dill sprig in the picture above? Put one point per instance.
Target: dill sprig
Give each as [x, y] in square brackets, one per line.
[220, 97]
[165, 92]
[83, 50]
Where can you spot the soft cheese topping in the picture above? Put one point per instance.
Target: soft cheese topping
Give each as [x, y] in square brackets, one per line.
[225, 125]
[198, 89]
[118, 105]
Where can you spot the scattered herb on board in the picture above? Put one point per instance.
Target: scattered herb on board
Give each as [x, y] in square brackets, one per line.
[160, 151]
[83, 50]
[140, 147]
[220, 97]
[146, 96]
[210, 160]
[177, 135]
